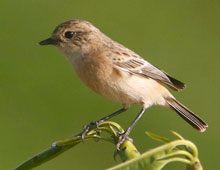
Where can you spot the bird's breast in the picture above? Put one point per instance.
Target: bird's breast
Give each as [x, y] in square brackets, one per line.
[94, 72]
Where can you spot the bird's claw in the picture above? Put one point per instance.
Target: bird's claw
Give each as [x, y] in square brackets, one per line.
[122, 138]
[87, 128]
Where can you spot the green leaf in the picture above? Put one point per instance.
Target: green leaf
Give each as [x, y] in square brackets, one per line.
[156, 137]
[157, 158]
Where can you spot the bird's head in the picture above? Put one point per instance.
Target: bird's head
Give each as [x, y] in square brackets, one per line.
[74, 37]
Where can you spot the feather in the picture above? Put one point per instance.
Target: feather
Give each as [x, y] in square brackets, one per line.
[139, 66]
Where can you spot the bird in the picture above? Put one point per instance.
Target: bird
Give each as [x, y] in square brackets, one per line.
[117, 73]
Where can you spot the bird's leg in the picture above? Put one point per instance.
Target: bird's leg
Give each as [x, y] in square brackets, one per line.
[95, 124]
[125, 135]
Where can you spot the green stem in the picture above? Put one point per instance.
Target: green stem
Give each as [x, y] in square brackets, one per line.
[113, 129]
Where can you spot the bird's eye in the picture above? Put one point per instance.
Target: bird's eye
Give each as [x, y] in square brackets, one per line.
[69, 34]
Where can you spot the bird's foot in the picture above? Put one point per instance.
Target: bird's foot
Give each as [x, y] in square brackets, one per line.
[122, 138]
[87, 128]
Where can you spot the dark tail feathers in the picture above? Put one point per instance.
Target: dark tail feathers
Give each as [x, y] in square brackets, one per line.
[177, 85]
[187, 115]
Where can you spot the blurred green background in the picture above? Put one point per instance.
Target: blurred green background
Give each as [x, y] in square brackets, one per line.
[42, 100]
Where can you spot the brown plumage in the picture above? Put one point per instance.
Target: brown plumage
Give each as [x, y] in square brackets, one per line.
[116, 72]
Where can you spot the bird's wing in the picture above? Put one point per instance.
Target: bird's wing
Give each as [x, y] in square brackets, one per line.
[136, 65]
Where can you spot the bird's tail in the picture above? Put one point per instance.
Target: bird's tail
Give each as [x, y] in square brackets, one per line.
[187, 114]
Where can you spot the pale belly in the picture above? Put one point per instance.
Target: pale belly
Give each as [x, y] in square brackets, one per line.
[136, 90]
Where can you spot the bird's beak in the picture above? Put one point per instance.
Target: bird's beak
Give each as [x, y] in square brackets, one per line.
[48, 41]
